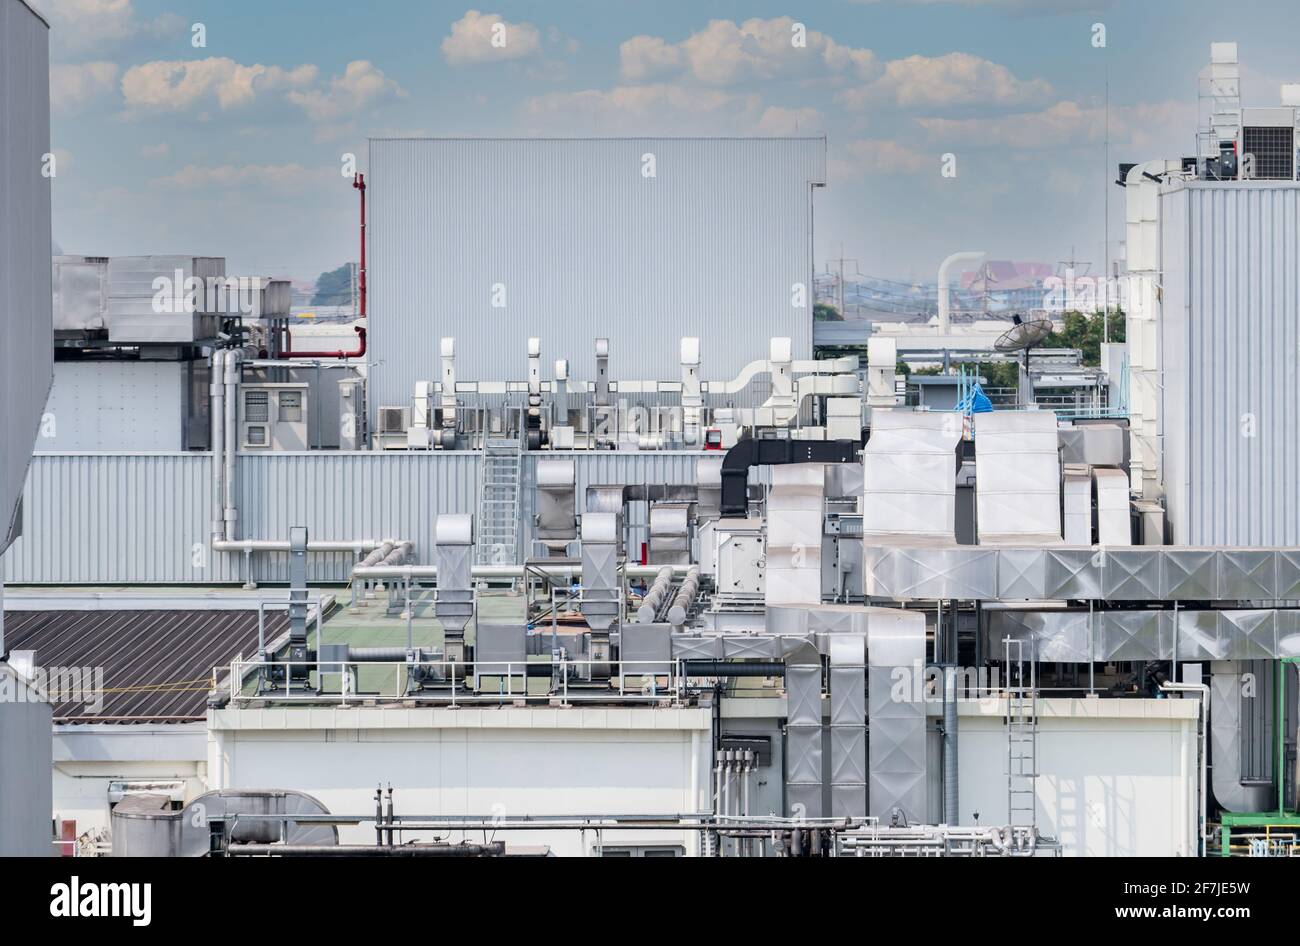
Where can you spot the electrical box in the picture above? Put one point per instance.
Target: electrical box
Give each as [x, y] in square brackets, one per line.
[352, 414]
[273, 416]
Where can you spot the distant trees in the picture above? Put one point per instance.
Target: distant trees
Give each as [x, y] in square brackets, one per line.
[334, 287]
[825, 312]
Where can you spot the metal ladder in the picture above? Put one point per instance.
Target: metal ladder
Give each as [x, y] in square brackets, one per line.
[1022, 732]
[498, 503]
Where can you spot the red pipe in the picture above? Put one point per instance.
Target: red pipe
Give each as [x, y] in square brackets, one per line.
[359, 182]
[361, 348]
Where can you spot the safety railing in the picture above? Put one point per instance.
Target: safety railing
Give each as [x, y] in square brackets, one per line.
[453, 682]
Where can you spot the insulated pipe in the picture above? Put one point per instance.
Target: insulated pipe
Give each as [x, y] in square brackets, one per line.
[340, 354]
[951, 815]
[415, 572]
[375, 556]
[655, 596]
[685, 597]
[231, 374]
[1203, 694]
[355, 546]
[217, 394]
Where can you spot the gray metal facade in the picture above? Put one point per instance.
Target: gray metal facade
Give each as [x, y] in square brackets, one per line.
[116, 405]
[1229, 347]
[585, 246]
[26, 319]
[95, 518]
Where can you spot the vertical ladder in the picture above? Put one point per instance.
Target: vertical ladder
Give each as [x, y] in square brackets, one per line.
[498, 503]
[1022, 732]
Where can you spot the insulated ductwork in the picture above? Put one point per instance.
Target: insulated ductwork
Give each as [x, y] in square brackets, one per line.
[897, 764]
[656, 596]
[1225, 742]
[455, 604]
[557, 522]
[848, 726]
[803, 731]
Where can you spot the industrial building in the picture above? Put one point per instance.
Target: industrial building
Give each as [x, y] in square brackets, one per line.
[577, 548]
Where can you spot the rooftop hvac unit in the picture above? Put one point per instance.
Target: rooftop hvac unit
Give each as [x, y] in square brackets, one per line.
[1268, 144]
[393, 422]
[273, 416]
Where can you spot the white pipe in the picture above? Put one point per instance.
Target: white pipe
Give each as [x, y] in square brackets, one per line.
[968, 256]
[217, 394]
[1203, 718]
[232, 373]
[356, 546]
[415, 572]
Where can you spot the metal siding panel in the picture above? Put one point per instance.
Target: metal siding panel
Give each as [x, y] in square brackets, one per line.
[144, 518]
[586, 248]
[26, 317]
[1237, 337]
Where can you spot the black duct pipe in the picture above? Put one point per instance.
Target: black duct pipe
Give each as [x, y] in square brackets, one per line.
[492, 849]
[733, 668]
[747, 453]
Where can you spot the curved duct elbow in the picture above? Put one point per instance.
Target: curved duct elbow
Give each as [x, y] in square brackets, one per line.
[1225, 745]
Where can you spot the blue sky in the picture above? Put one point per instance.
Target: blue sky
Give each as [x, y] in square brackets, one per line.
[234, 149]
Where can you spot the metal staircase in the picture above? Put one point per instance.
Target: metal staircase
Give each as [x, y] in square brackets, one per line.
[498, 503]
[1022, 732]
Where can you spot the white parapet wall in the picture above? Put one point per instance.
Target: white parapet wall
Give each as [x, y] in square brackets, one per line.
[497, 762]
[1116, 777]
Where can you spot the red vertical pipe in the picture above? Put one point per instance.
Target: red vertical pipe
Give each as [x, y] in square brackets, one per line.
[359, 182]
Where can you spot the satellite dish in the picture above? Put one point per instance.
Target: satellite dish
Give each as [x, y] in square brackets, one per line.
[1024, 335]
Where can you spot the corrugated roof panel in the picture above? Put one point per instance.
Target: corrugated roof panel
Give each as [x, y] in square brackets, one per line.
[157, 665]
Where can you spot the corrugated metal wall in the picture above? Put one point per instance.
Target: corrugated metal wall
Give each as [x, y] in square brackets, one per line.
[93, 518]
[1230, 342]
[26, 319]
[585, 246]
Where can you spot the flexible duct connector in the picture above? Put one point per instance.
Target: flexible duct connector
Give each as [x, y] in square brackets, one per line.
[1225, 745]
[655, 597]
[685, 597]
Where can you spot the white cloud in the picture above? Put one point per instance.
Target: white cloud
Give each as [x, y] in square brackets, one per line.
[81, 24]
[1068, 124]
[72, 86]
[725, 52]
[361, 85]
[160, 150]
[1037, 6]
[487, 37]
[277, 176]
[954, 79]
[783, 122]
[648, 109]
[179, 84]
[877, 156]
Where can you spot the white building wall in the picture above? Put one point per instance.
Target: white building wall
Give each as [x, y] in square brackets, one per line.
[470, 761]
[1117, 778]
[89, 757]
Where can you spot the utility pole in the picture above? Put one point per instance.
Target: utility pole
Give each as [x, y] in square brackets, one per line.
[840, 277]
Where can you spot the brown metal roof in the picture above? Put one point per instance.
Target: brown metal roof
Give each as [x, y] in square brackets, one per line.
[157, 664]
